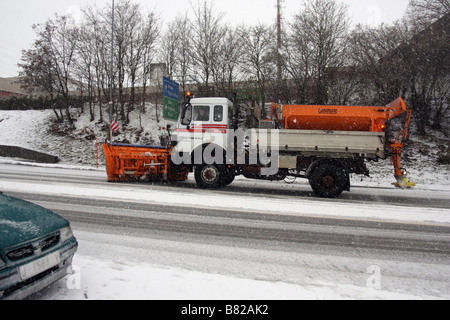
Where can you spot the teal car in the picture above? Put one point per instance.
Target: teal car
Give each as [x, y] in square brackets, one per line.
[36, 248]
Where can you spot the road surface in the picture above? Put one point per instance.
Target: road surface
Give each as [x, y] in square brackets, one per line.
[227, 232]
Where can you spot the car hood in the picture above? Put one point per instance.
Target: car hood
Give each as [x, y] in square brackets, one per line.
[21, 221]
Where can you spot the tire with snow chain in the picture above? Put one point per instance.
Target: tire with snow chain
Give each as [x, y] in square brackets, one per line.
[210, 176]
[329, 180]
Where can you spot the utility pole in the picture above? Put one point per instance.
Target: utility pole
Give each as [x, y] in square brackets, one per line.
[111, 88]
[280, 90]
[279, 42]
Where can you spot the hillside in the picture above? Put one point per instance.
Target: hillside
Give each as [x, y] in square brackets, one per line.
[37, 130]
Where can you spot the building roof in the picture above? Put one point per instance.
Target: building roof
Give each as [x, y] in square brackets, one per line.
[11, 85]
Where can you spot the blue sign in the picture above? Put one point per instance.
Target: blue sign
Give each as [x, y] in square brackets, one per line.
[171, 89]
[171, 99]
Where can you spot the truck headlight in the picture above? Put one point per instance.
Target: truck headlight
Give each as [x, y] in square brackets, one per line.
[66, 234]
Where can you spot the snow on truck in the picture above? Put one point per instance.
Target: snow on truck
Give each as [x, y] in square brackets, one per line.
[324, 144]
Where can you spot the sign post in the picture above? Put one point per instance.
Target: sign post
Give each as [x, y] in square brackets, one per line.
[171, 99]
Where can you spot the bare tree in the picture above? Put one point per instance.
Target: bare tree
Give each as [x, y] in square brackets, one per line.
[299, 61]
[258, 62]
[427, 55]
[176, 50]
[442, 103]
[381, 65]
[99, 23]
[37, 72]
[343, 84]
[208, 32]
[184, 51]
[425, 12]
[149, 36]
[84, 65]
[126, 20]
[403, 60]
[322, 26]
[225, 66]
[63, 44]
[55, 48]
[169, 48]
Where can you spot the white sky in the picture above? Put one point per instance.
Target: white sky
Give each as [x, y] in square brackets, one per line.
[18, 16]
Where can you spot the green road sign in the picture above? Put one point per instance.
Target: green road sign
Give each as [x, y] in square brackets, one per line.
[171, 109]
[171, 106]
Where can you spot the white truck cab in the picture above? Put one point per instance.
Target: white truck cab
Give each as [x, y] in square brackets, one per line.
[206, 113]
[203, 122]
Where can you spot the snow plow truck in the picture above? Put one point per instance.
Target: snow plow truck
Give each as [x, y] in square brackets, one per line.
[324, 144]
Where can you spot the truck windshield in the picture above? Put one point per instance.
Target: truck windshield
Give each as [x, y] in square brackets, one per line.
[186, 115]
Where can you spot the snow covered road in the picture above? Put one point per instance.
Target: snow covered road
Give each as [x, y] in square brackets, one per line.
[274, 241]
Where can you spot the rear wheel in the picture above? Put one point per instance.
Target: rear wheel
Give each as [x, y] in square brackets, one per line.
[210, 176]
[329, 180]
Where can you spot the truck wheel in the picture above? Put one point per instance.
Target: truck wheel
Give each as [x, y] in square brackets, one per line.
[209, 176]
[228, 178]
[329, 181]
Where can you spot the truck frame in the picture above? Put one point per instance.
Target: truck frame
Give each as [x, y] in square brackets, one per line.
[324, 144]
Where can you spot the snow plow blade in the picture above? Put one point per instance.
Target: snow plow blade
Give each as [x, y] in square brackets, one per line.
[134, 163]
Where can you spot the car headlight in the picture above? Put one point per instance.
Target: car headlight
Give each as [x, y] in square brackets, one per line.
[2, 262]
[66, 233]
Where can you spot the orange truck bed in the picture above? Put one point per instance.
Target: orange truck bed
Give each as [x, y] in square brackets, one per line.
[349, 118]
[132, 163]
[337, 118]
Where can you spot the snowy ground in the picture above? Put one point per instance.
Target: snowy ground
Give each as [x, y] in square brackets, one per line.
[29, 129]
[113, 266]
[96, 278]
